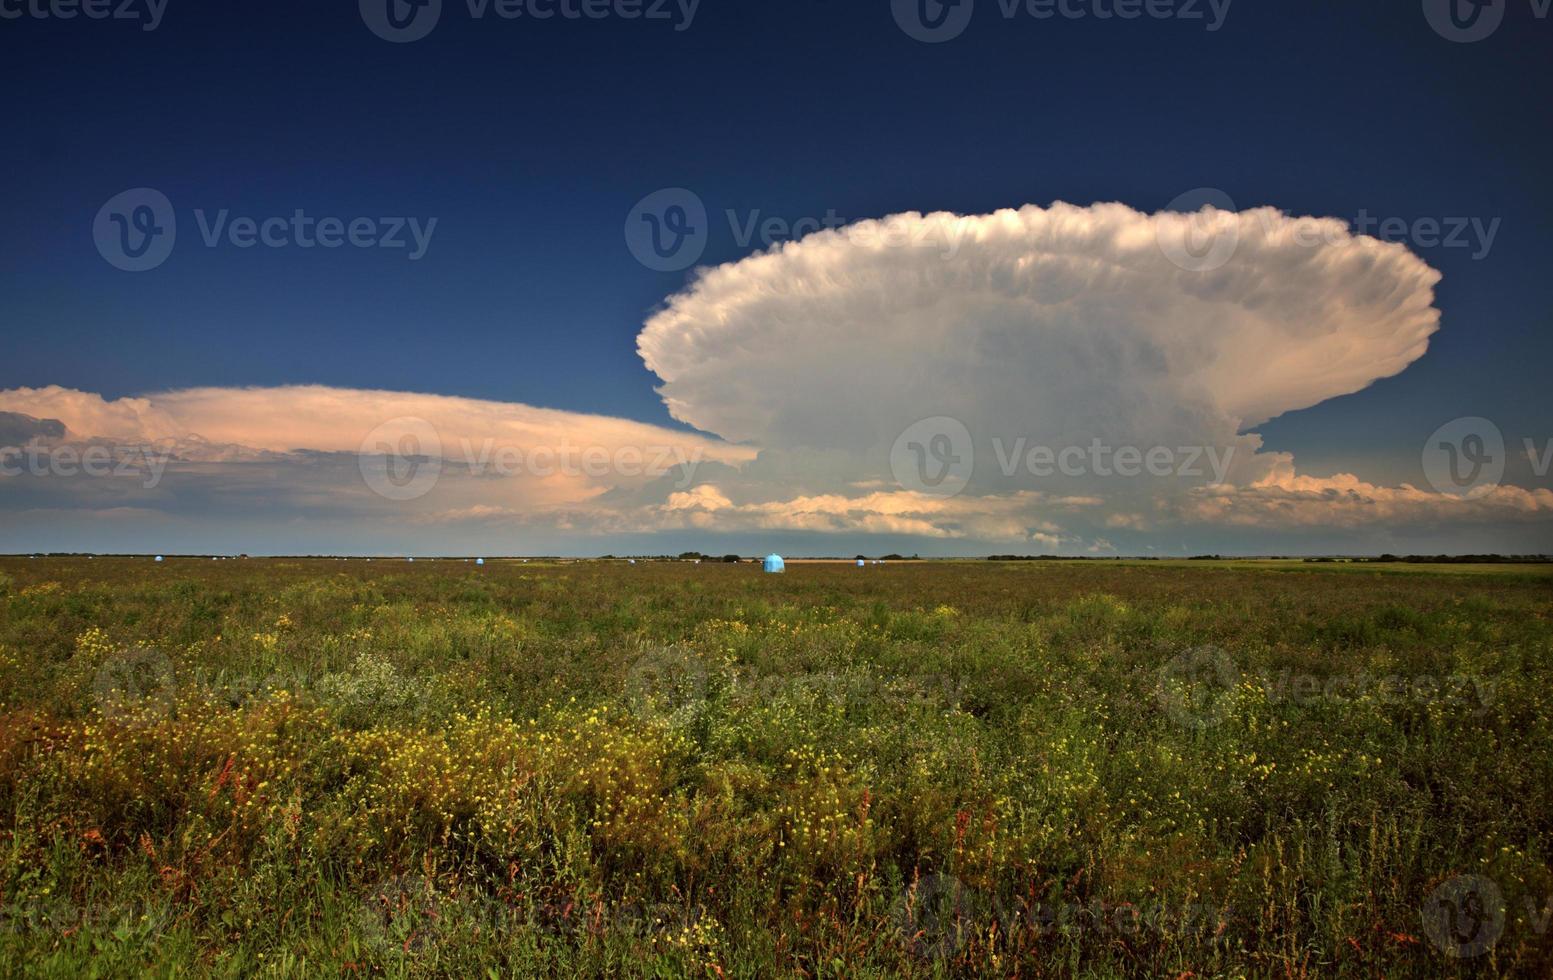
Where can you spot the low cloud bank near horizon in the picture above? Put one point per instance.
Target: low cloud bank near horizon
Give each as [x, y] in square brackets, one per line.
[801, 367]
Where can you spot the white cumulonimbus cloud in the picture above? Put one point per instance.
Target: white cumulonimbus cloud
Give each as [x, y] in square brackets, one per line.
[1064, 322]
[1057, 327]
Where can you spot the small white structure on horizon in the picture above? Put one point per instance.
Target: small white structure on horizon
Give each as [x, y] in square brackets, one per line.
[479, 561]
[158, 557]
[861, 563]
[774, 563]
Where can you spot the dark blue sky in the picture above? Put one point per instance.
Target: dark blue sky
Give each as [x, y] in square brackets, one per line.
[530, 142]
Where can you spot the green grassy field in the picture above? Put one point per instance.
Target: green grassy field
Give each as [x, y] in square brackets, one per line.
[303, 767]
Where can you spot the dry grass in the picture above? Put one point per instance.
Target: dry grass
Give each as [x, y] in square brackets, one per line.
[293, 767]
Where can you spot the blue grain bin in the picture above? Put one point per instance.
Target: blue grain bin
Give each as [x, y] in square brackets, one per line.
[774, 563]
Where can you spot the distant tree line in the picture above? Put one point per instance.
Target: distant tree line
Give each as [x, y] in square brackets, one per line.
[1444, 559]
[1053, 558]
